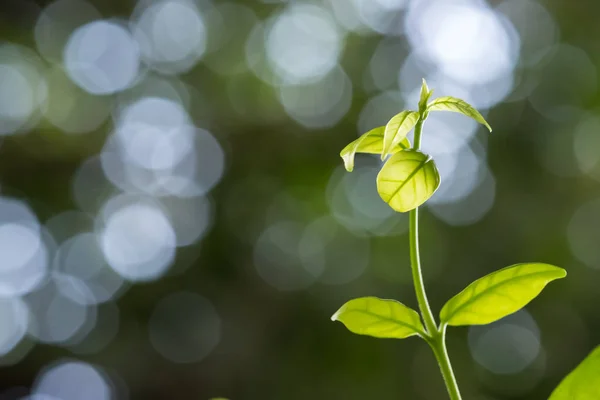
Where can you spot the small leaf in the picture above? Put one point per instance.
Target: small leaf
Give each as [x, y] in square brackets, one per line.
[396, 130]
[379, 318]
[370, 142]
[583, 383]
[425, 95]
[407, 180]
[457, 105]
[499, 294]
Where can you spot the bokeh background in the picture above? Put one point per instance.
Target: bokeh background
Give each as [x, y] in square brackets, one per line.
[176, 223]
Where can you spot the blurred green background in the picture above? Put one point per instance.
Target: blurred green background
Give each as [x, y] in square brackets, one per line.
[176, 223]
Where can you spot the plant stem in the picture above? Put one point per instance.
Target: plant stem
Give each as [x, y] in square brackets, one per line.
[436, 338]
[438, 345]
[418, 130]
[415, 258]
[415, 262]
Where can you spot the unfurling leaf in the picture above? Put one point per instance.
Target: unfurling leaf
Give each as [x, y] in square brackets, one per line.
[449, 103]
[583, 383]
[370, 142]
[379, 318]
[424, 98]
[407, 180]
[499, 294]
[396, 130]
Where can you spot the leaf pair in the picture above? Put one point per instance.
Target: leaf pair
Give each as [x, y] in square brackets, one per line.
[401, 124]
[391, 138]
[410, 177]
[406, 180]
[486, 300]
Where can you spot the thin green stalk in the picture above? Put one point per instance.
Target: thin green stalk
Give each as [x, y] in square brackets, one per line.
[436, 338]
[438, 345]
[415, 258]
[418, 130]
[415, 262]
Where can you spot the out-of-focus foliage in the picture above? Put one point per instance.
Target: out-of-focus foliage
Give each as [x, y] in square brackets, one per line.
[582, 383]
[175, 221]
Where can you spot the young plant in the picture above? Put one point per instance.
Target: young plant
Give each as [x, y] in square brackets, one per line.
[406, 180]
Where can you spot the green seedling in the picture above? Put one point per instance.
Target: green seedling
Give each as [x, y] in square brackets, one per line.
[406, 181]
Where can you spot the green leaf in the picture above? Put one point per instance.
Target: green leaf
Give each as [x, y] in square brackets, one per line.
[499, 294]
[370, 142]
[583, 383]
[425, 95]
[407, 180]
[379, 318]
[396, 130]
[457, 105]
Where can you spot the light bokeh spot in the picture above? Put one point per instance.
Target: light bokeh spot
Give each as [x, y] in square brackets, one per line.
[138, 241]
[14, 321]
[303, 44]
[73, 380]
[466, 39]
[171, 35]
[508, 346]
[102, 57]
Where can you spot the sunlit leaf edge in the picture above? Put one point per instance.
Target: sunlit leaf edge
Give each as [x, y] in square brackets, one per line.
[417, 330]
[462, 107]
[348, 153]
[397, 128]
[427, 162]
[557, 273]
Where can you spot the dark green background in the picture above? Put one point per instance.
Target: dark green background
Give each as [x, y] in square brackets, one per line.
[282, 345]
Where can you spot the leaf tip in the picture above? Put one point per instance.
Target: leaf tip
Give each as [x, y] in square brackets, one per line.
[335, 316]
[348, 162]
[559, 272]
[563, 273]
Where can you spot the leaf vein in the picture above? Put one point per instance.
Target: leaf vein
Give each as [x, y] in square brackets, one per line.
[474, 297]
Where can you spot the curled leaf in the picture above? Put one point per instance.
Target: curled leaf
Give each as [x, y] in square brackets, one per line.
[407, 180]
[425, 95]
[499, 294]
[379, 318]
[449, 103]
[370, 142]
[396, 130]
